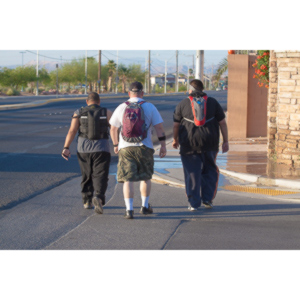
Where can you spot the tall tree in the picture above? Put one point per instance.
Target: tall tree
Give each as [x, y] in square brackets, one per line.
[111, 71]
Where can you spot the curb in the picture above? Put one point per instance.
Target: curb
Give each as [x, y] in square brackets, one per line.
[247, 177]
[258, 179]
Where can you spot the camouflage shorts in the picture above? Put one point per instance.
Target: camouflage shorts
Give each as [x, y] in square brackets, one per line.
[135, 164]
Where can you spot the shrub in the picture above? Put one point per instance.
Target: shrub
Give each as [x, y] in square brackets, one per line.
[12, 92]
[182, 88]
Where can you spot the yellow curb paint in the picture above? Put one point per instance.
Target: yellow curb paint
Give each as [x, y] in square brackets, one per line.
[262, 191]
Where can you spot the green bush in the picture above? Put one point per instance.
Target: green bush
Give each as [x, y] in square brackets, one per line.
[182, 88]
[12, 92]
[158, 90]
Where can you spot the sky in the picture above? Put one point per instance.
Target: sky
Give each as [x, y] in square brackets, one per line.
[158, 57]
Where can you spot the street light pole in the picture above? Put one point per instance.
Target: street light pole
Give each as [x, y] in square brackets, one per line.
[166, 77]
[176, 71]
[149, 83]
[37, 73]
[187, 79]
[99, 72]
[117, 78]
[85, 71]
[56, 80]
[22, 52]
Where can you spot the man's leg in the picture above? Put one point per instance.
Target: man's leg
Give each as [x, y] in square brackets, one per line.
[145, 189]
[101, 162]
[128, 198]
[87, 190]
[210, 178]
[192, 166]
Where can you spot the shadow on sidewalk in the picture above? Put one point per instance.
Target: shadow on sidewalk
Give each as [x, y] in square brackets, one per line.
[228, 211]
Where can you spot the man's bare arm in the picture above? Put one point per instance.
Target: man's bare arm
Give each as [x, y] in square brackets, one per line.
[70, 137]
[161, 134]
[224, 131]
[114, 137]
[175, 143]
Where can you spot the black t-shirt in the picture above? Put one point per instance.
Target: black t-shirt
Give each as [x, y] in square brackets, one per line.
[193, 139]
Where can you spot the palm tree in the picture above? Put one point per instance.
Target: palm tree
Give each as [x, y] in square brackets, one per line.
[111, 70]
[222, 68]
[123, 73]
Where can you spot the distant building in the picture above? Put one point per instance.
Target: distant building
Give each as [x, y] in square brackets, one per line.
[160, 79]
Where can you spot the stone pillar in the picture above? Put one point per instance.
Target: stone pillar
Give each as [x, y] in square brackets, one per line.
[287, 137]
[272, 105]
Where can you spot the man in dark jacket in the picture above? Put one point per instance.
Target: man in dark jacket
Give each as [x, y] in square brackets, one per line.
[93, 153]
[199, 146]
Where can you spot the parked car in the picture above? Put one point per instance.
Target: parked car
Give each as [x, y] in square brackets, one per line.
[218, 89]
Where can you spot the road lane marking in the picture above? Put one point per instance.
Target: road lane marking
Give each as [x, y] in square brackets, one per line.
[44, 146]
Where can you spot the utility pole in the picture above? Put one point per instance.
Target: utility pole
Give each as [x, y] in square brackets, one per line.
[60, 61]
[197, 75]
[85, 71]
[166, 77]
[56, 80]
[22, 52]
[176, 80]
[145, 87]
[117, 78]
[187, 79]
[201, 64]
[194, 64]
[149, 83]
[37, 73]
[99, 72]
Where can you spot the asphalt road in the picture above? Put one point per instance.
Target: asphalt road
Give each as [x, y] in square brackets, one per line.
[32, 140]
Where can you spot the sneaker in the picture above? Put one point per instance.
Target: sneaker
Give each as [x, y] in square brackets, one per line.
[98, 205]
[192, 208]
[208, 204]
[128, 214]
[146, 210]
[88, 205]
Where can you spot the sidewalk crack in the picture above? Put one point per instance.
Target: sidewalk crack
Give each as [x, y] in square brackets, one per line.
[173, 234]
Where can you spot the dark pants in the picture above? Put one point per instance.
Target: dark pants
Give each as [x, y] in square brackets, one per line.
[201, 176]
[94, 170]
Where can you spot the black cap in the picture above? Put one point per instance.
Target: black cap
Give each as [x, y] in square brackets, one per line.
[136, 87]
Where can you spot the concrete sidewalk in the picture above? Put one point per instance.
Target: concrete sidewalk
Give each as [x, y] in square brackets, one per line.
[246, 160]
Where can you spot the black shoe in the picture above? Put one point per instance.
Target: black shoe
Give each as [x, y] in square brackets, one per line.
[128, 214]
[146, 211]
[208, 204]
[88, 205]
[98, 205]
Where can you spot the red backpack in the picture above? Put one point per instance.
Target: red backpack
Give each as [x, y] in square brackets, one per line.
[199, 110]
[134, 128]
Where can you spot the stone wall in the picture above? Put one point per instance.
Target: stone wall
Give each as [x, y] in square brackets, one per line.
[284, 107]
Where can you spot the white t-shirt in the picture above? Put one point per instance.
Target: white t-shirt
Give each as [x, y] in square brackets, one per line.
[152, 118]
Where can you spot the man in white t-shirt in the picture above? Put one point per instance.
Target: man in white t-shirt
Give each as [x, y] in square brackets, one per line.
[136, 162]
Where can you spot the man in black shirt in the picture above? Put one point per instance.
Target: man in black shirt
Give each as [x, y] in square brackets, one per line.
[199, 146]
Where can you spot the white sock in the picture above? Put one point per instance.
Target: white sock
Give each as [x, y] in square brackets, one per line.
[145, 201]
[129, 203]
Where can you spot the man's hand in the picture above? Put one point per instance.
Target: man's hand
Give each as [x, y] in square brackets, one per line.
[116, 149]
[162, 151]
[175, 144]
[225, 147]
[66, 154]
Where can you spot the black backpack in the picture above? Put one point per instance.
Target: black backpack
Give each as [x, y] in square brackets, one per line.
[93, 122]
